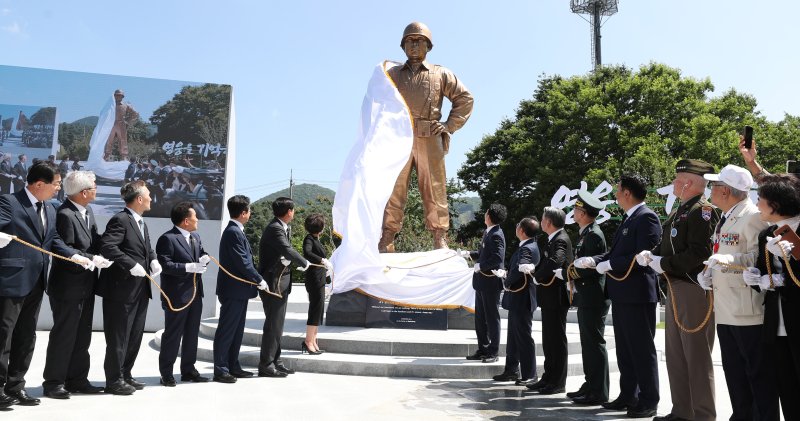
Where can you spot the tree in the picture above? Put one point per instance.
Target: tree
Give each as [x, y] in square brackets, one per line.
[595, 127]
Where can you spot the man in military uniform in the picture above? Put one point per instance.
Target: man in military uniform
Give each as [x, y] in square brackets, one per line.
[592, 303]
[124, 116]
[422, 86]
[685, 244]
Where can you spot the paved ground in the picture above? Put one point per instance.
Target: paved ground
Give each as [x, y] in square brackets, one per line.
[316, 396]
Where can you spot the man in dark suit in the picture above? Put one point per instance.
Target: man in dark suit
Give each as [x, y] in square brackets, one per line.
[551, 295]
[23, 275]
[275, 253]
[125, 288]
[236, 256]
[20, 170]
[181, 254]
[130, 172]
[633, 299]
[489, 257]
[71, 291]
[519, 299]
[590, 298]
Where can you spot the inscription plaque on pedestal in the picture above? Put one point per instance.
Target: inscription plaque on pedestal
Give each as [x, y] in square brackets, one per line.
[384, 315]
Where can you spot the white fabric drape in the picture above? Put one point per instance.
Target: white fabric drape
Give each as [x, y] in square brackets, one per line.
[383, 146]
[113, 170]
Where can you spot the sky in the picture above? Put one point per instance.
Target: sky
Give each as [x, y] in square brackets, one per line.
[299, 69]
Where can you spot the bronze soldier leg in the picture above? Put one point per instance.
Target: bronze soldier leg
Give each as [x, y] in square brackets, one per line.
[393, 213]
[432, 187]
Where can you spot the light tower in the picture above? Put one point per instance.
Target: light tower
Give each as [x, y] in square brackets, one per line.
[596, 9]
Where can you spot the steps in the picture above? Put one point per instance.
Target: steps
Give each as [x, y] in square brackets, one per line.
[382, 352]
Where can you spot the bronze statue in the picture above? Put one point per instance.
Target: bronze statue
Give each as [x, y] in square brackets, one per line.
[124, 116]
[422, 86]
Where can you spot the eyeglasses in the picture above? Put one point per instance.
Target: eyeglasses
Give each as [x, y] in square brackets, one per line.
[93, 188]
[716, 183]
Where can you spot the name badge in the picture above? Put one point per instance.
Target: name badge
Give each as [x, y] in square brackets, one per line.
[673, 232]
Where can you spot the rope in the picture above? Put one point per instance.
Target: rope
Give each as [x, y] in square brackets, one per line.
[388, 268]
[227, 272]
[769, 267]
[675, 309]
[628, 273]
[524, 284]
[37, 248]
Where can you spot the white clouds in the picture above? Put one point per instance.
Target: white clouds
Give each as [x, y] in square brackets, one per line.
[12, 28]
[5, 11]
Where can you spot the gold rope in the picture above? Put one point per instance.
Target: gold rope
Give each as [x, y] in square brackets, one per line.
[524, 284]
[769, 267]
[675, 309]
[19, 240]
[628, 273]
[388, 268]
[278, 294]
[420, 306]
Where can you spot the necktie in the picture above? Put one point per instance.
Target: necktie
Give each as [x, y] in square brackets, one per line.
[141, 227]
[624, 217]
[192, 245]
[717, 233]
[39, 208]
[86, 218]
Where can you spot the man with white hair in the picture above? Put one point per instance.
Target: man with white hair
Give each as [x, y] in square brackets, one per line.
[71, 291]
[739, 309]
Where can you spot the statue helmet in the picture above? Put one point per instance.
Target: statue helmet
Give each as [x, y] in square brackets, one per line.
[417, 28]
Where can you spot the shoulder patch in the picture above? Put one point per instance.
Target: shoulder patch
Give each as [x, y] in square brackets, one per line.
[706, 212]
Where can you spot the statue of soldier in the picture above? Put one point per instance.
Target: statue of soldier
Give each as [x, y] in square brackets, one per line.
[124, 116]
[422, 86]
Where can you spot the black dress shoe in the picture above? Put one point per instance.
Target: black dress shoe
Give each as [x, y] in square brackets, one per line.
[580, 392]
[490, 359]
[271, 372]
[551, 390]
[24, 398]
[641, 412]
[589, 399]
[193, 377]
[119, 387]
[224, 378]
[506, 377]
[87, 389]
[241, 374]
[168, 381]
[135, 383]
[477, 356]
[618, 405]
[57, 392]
[6, 401]
[669, 417]
[283, 369]
[526, 382]
[538, 385]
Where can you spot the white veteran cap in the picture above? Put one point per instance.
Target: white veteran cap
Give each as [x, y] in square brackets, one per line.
[736, 177]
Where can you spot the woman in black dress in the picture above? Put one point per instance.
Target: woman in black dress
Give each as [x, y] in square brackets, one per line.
[314, 252]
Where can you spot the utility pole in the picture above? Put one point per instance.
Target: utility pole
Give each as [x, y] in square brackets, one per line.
[291, 184]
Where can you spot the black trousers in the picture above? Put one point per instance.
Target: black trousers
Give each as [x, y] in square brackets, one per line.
[787, 366]
[487, 321]
[228, 337]
[67, 361]
[520, 347]
[554, 345]
[123, 325]
[316, 303]
[18, 317]
[634, 330]
[275, 314]
[180, 325]
[748, 374]
[592, 325]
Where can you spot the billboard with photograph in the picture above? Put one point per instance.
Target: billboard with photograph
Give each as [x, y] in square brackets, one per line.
[171, 134]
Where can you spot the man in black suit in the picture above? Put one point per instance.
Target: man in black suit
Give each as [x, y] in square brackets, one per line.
[181, 254]
[125, 288]
[71, 291]
[236, 256]
[130, 172]
[519, 299]
[551, 295]
[489, 257]
[23, 275]
[275, 253]
[20, 170]
[633, 299]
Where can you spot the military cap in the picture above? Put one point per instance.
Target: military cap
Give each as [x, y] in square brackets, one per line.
[589, 203]
[694, 166]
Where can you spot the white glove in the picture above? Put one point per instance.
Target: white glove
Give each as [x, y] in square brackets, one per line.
[656, 264]
[500, 273]
[477, 267]
[644, 257]
[155, 268]
[603, 267]
[204, 259]
[303, 269]
[84, 261]
[138, 270]
[5, 239]
[195, 268]
[101, 262]
[584, 263]
[463, 253]
[263, 285]
[704, 279]
[779, 247]
[527, 268]
[328, 267]
[559, 273]
[719, 261]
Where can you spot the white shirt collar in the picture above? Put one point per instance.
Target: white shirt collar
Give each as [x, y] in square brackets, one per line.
[525, 241]
[238, 224]
[81, 208]
[792, 222]
[633, 209]
[136, 216]
[284, 225]
[31, 197]
[550, 237]
[490, 227]
[184, 233]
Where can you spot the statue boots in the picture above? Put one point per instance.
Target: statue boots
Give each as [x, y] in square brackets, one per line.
[386, 244]
[440, 239]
